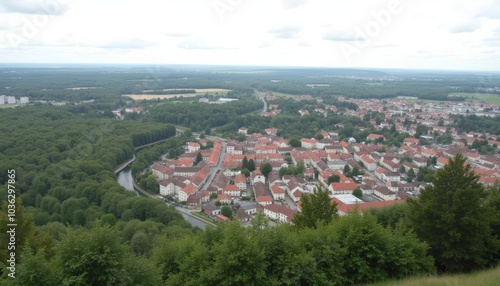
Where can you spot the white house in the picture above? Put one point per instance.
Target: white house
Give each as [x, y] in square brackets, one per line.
[384, 193]
[279, 213]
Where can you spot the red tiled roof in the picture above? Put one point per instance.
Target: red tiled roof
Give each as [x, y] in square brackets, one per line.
[343, 186]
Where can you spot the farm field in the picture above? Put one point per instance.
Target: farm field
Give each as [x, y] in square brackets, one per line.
[489, 98]
[199, 91]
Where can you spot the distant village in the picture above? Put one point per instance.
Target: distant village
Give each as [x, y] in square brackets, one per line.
[382, 176]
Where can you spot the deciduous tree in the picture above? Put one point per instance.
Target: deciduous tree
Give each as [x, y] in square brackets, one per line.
[266, 168]
[226, 211]
[316, 209]
[357, 193]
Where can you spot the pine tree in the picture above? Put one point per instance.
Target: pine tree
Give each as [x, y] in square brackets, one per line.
[198, 158]
[451, 217]
[251, 165]
[245, 163]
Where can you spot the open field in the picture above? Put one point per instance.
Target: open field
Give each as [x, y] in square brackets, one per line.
[81, 88]
[156, 96]
[199, 91]
[7, 105]
[425, 100]
[483, 278]
[489, 98]
[282, 94]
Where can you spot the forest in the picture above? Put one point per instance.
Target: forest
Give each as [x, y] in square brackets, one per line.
[64, 165]
[107, 83]
[476, 123]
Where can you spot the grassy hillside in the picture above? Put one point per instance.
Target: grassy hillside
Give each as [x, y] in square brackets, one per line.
[483, 278]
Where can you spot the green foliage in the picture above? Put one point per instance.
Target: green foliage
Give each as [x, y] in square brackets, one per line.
[425, 174]
[350, 250]
[483, 147]
[200, 116]
[36, 270]
[374, 254]
[245, 163]
[347, 169]
[357, 193]
[251, 165]
[266, 168]
[198, 158]
[451, 217]
[316, 209]
[226, 211]
[410, 175]
[297, 171]
[476, 123]
[390, 216]
[333, 179]
[24, 232]
[294, 142]
[245, 172]
[92, 257]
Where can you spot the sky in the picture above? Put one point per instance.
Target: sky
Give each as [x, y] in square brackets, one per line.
[418, 34]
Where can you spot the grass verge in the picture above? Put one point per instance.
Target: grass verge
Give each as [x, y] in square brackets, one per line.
[482, 278]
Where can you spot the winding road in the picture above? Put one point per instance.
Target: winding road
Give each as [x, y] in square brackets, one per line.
[264, 109]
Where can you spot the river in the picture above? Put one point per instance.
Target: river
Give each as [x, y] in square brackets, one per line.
[124, 178]
[194, 221]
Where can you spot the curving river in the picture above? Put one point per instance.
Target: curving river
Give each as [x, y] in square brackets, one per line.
[124, 178]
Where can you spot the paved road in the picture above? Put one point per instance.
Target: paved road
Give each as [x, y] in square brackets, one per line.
[217, 168]
[264, 109]
[290, 202]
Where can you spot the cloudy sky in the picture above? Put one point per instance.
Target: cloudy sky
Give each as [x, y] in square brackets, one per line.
[424, 34]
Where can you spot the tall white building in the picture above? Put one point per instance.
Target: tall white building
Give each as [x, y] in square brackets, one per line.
[24, 100]
[2, 99]
[11, 100]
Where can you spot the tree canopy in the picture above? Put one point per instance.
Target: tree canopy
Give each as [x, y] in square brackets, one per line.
[316, 209]
[450, 215]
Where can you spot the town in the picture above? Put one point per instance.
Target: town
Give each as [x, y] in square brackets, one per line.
[267, 173]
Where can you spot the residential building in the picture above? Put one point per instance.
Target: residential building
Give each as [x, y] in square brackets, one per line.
[279, 213]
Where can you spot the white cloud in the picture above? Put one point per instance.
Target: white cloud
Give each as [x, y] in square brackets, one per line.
[342, 36]
[286, 32]
[467, 27]
[290, 4]
[41, 7]
[420, 34]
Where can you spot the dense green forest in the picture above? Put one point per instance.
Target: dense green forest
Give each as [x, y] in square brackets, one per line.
[200, 116]
[476, 123]
[64, 166]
